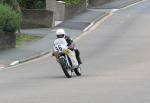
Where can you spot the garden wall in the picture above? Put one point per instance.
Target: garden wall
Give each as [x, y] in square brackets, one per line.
[7, 40]
[37, 18]
[71, 11]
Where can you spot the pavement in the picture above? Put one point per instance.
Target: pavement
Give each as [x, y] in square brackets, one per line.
[116, 4]
[31, 50]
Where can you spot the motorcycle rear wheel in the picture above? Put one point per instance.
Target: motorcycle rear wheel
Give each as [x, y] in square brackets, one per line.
[78, 71]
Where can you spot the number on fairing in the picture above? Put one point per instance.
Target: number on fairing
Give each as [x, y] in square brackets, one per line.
[58, 48]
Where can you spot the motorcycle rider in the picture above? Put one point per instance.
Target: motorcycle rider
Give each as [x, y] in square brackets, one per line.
[60, 33]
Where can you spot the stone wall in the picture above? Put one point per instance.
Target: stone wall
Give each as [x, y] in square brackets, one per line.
[7, 40]
[72, 11]
[97, 2]
[37, 18]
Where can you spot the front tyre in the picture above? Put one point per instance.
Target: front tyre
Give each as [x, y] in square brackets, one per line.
[67, 71]
[78, 71]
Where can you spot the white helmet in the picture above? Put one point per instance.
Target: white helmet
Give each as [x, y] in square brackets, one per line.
[60, 33]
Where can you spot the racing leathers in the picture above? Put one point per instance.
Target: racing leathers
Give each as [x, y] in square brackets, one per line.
[72, 47]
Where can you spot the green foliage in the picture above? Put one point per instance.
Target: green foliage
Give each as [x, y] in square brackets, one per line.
[22, 38]
[72, 2]
[10, 20]
[40, 4]
[12, 3]
[32, 4]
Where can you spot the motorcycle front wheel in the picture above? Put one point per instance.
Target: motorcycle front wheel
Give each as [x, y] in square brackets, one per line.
[67, 71]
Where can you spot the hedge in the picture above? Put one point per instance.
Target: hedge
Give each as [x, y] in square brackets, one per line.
[72, 2]
[10, 20]
[32, 4]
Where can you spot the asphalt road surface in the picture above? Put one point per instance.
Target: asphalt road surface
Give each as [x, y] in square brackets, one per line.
[116, 67]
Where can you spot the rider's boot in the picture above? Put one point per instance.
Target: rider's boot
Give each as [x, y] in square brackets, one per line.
[78, 56]
[79, 60]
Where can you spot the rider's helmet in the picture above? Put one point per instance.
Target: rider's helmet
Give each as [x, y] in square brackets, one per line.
[60, 33]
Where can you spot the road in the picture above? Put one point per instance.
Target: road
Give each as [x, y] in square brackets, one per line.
[116, 67]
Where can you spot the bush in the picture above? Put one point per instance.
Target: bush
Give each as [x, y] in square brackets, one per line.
[32, 4]
[10, 20]
[72, 2]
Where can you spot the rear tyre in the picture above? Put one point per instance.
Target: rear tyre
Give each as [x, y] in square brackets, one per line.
[78, 71]
[67, 71]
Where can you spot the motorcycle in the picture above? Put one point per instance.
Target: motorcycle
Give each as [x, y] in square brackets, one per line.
[66, 58]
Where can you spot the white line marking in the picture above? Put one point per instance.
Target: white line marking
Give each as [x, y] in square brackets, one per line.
[14, 63]
[93, 27]
[91, 24]
[2, 67]
[133, 4]
[114, 10]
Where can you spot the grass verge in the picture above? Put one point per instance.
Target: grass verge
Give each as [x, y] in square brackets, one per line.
[22, 38]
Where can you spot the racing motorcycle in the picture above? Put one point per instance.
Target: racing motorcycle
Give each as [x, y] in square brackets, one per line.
[66, 58]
